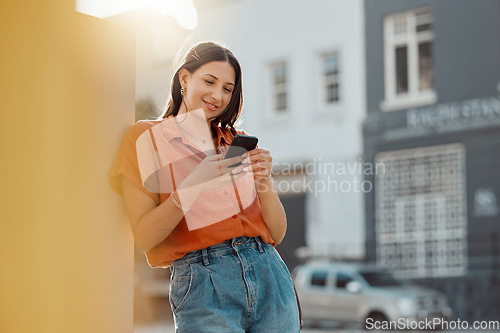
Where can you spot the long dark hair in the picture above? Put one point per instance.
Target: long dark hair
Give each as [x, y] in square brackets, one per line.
[199, 55]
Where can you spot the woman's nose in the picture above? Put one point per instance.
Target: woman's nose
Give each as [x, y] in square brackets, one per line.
[217, 94]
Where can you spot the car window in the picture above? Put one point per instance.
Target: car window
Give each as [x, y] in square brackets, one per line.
[343, 279]
[380, 279]
[318, 278]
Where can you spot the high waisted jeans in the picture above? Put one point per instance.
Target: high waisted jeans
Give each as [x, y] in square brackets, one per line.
[240, 285]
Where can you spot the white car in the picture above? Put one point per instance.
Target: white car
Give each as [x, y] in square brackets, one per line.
[362, 294]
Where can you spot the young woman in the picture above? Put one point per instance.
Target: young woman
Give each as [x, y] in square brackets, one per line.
[213, 221]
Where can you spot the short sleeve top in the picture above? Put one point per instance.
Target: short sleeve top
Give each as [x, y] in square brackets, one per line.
[156, 156]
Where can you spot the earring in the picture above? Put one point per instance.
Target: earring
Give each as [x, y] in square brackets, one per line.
[183, 91]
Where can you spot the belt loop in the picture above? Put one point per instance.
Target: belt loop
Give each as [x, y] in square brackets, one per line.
[204, 253]
[259, 244]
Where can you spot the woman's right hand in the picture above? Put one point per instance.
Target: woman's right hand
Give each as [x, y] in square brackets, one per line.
[213, 172]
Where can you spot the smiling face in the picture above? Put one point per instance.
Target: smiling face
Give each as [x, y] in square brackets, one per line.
[209, 87]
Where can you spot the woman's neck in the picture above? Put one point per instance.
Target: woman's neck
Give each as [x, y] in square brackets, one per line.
[199, 114]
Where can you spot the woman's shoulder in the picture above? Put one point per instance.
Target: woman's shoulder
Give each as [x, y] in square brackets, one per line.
[141, 126]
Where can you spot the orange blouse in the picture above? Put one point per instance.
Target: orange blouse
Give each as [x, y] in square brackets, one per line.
[157, 157]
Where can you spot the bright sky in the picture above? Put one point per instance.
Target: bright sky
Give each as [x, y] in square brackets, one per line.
[182, 10]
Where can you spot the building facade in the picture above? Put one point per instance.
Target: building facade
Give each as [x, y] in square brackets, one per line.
[433, 124]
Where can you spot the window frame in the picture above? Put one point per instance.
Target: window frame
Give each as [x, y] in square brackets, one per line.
[411, 39]
[320, 92]
[273, 112]
[327, 79]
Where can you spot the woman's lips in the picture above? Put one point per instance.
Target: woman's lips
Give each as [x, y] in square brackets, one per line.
[211, 106]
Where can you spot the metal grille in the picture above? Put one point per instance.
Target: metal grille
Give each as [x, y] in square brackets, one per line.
[420, 217]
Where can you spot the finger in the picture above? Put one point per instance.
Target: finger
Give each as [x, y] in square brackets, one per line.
[259, 157]
[238, 173]
[261, 164]
[236, 176]
[258, 151]
[238, 168]
[263, 172]
[230, 161]
[214, 158]
[226, 179]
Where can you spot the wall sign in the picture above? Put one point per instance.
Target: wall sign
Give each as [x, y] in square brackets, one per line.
[448, 117]
[485, 202]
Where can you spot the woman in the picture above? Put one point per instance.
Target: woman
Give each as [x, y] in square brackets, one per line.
[212, 222]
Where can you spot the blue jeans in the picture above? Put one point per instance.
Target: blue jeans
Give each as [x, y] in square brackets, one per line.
[240, 285]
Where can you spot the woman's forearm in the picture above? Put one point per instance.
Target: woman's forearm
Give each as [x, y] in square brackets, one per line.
[152, 223]
[156, 224]
[272, 210]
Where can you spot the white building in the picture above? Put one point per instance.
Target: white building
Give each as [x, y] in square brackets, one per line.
[304, 98]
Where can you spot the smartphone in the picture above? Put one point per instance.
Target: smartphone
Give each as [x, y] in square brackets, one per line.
[240, 145]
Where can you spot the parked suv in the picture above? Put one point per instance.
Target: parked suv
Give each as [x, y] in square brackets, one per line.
[363, 294]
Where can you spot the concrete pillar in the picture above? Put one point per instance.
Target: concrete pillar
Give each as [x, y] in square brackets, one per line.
[66, 98]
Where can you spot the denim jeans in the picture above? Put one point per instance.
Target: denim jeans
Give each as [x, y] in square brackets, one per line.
[240, 285]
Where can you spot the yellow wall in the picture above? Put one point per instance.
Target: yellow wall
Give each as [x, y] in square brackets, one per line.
[67, 96]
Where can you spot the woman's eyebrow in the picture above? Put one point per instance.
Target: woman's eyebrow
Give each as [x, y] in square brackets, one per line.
[215, 77]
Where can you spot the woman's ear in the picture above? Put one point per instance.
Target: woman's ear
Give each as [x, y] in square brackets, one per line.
[184, 77]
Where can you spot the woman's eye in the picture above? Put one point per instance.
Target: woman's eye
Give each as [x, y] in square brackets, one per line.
[228, 90]
[209, 82]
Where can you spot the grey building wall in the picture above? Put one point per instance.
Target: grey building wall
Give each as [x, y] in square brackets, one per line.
[466, 48]
[466, 54]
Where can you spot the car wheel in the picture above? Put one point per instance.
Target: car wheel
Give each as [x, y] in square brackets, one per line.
[376, 319]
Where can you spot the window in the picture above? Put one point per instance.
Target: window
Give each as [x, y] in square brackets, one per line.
[380, 279]
[408, 60]
[279, 87]
[318, 279]
[342, 280]
[330, 66]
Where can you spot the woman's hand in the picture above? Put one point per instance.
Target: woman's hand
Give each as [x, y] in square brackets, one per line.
[262, 164]
[213, 172]
[272, 210]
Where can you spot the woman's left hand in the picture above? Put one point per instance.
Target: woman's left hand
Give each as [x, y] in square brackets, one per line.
[262, 164]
